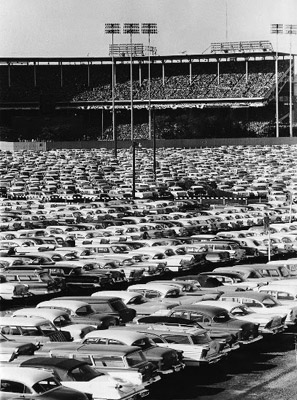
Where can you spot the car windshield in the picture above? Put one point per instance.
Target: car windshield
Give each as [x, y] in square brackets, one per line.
[62, 320]
[270, 302]
[84, 310]
[144, 343]
[45, 385]
[135, 358]
[240, 311]
[83, 373]
[221, 317]
[200, 338]
[137, 300]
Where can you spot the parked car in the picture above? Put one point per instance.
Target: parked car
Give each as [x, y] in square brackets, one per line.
[228, 340]
[137, 301]
[216, 319]
[77, 275]
[166, 360]
[264, 302]
[80, 312]
[284, 291]
[35, 330]
[195, 343]
[124, 362]
[106, 305]
[81, 376]
[61, 319]
[268, 324]
[11, 349]
[33, 384]
[168, 292]
[11, 290]
[39, 282]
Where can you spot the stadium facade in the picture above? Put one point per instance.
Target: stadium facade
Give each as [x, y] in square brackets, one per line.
[230, 92]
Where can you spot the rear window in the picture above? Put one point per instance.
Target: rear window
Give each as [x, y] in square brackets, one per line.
[118, 305]
[135, 358]
[180, 339]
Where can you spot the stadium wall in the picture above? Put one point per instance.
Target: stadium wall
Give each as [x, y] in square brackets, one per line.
[182, 143]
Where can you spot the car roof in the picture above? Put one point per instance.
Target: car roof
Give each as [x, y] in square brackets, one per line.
[161, 328]
[87, 299]
[71, 304]
[122, 294]
[22, 321]
[211, 310]
[228, 305]
[59, 362]
[247, 293]
[28, 376]
[280, 287]
[155, 286]
[125, 334]
[39, 312]
[92, 349]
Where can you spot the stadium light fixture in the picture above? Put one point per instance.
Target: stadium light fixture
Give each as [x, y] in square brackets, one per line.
[276, 29]
[113, 29]
[131, 29]
[291, 30]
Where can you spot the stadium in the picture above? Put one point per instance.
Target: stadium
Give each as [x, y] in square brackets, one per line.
[229, 92]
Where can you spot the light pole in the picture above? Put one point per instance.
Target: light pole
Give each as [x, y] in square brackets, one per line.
[149, 29]
[291, 30]
[131, 28]
[112, 29]
[276, 29]
[134, 145]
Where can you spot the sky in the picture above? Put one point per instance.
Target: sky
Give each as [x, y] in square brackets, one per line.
[75, 28]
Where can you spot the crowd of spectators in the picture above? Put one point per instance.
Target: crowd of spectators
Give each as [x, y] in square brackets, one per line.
[93, 83]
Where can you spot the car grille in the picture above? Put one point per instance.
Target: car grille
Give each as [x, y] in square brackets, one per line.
[57, 337]
[169, 360]
[148, 371]
[20, 290]
[249, 333]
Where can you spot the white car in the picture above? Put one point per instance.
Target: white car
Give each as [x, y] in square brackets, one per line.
[264, 302]
[284, 291]
[59, 318]
[79, 375]
[32, 383]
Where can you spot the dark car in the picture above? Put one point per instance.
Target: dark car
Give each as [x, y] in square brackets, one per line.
[108, 305]
[76, 277]
[216, 320]
[39, 281]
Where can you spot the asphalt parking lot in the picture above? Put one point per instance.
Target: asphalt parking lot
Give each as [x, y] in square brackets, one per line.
[61, 226]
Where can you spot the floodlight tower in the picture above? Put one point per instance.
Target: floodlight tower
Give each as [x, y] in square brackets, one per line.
[291, 30]
[276, 29]
[131, 29]
[112, 29]
[149, 29]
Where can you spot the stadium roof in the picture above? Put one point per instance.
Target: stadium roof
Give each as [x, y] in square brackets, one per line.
[154, 59]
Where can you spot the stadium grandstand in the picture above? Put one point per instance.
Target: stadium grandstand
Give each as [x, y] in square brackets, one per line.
[229, 92]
